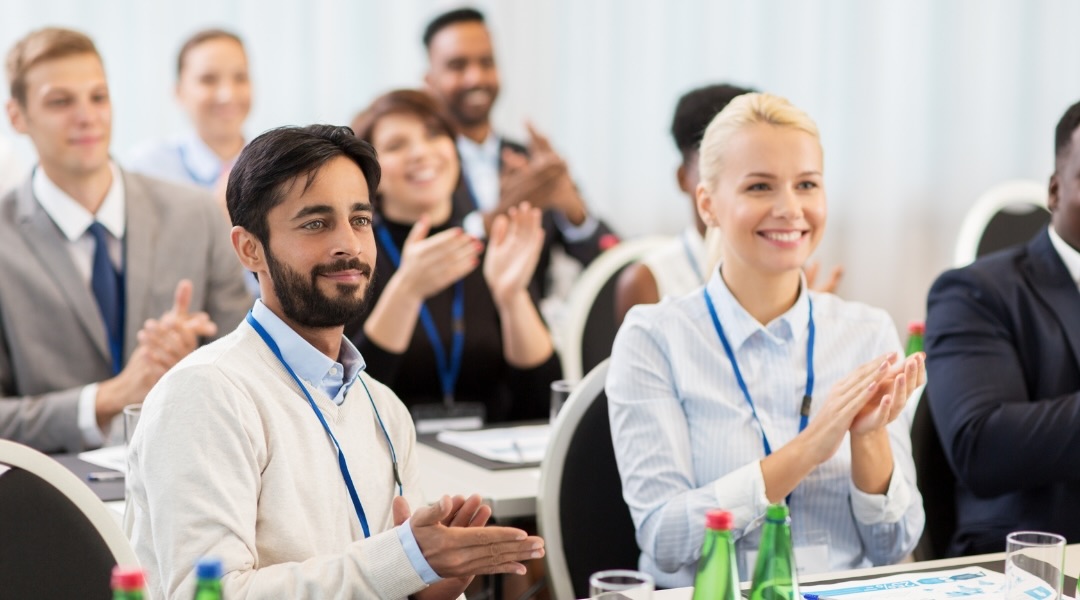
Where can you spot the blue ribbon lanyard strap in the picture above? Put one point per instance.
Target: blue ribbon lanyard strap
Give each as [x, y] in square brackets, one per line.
[342, 464]
[449, 370]
[804, 409]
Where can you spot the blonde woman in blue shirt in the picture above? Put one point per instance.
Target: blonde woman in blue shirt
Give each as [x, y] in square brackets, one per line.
[754, 390]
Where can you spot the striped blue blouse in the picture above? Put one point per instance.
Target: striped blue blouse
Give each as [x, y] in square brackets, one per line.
[686, 441]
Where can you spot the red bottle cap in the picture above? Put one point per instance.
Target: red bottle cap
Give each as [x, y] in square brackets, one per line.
[127, 579]
[718, 519]
[916, 327]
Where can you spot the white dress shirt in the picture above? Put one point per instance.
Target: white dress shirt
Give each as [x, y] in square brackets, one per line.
[480, 167]
[686, 442]
[1069, 255]
[74, 221]
[678, 266]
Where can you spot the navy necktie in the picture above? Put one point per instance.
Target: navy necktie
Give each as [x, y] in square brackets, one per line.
[108, 288]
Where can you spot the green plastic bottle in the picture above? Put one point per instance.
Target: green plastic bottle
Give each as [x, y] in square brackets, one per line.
[128, 583]
[717, 576]
[915, 330]
[774, 573]
[208, 579]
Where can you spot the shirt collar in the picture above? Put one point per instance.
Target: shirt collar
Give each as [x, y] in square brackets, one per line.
[199, 159]
[71, 217]
[1069, 255]
[487, 151]
[739, 325]
[309, 363]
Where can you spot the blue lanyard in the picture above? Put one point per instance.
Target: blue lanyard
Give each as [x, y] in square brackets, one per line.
[804, 410]
[206, 183]
[448, 370]
[341, 455]
[691, 258]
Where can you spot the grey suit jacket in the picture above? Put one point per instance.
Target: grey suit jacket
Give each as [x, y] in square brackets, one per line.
[52, 338]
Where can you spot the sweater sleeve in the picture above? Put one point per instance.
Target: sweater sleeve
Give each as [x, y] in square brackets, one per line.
[194, 489]
[531, 389]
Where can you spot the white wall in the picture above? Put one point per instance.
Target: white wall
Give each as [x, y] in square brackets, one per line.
[922, 104]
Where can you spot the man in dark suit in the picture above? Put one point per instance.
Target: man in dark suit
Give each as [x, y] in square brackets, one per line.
[106, 274]
[498, 173]
[1003, 363]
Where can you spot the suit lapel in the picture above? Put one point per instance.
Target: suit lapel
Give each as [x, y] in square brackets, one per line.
[1051, 281]
[49, 245]
[140, 231]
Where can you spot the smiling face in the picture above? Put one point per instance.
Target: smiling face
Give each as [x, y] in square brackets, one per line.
[462, 72]
[768, 199]
[420, 167]
[214, 88]
[318, 263]
[67, 115]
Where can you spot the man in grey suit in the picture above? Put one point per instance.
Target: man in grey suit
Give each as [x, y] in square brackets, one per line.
[109, 278]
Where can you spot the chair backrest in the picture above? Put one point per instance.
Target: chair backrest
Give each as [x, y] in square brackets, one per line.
[588, 323]
[57, 539]
[1007, 214]
[936, 481]
[581, 513]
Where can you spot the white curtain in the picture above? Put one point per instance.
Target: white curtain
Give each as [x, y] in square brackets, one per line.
[922, 104]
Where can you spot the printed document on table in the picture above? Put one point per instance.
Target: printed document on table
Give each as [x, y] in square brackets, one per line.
[110, 457]
[968, 582]
[515, 445]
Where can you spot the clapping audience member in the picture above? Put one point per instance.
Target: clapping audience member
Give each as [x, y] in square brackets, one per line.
[449, 318]
[272, 448]
[755, 389]
[681, 266]
[109, 277]
[498, 173]
[1003, 353]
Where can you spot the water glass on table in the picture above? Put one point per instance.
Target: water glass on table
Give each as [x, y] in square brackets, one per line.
[1034, 565]
[132, 412]
[560, 392]
[621, 584]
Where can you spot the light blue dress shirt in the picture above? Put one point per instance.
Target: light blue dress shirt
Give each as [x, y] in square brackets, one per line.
[686, 442]
[183, 159]
[333, 379]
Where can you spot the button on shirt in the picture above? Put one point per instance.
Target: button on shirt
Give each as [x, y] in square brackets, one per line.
[333, 378]
[480, 166]
[670, 380]
[74, 221]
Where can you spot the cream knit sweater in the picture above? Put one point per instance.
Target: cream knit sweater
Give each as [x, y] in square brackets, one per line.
[230, 460]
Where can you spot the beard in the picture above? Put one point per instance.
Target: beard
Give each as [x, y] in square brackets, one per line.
[304, 303]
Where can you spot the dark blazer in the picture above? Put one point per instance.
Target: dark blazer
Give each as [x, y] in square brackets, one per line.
[1003, 361]
[52, 339]
[584, 251]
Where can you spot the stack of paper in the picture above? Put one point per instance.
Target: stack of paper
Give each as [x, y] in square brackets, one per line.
[515, 445]
[968, 582]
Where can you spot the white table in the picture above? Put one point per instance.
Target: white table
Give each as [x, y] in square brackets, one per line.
[1072, 569]
[510, 492]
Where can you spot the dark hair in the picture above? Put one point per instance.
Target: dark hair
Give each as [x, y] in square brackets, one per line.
[1065, 128]
[453, 17]
[40, 46]
[203, 36]
[411, 102]
[260, 176]
[696, 109]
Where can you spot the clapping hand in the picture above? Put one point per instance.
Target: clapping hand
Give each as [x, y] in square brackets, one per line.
[432, 264]
[513, 251]
[894, 389]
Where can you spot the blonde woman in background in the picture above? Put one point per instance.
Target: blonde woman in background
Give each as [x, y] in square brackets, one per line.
[755, 389]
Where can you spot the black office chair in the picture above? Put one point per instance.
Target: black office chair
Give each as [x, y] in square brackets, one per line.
[588, 324]
[57, 539]
[1007, 214]
[581, 514]
[936, 481]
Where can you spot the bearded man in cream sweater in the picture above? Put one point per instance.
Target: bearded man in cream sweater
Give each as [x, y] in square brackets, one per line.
[271, 448]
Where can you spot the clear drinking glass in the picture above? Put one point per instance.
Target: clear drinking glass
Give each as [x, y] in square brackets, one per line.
[132, 412]
[621, 584]
[1034, 565]
[560, 391]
